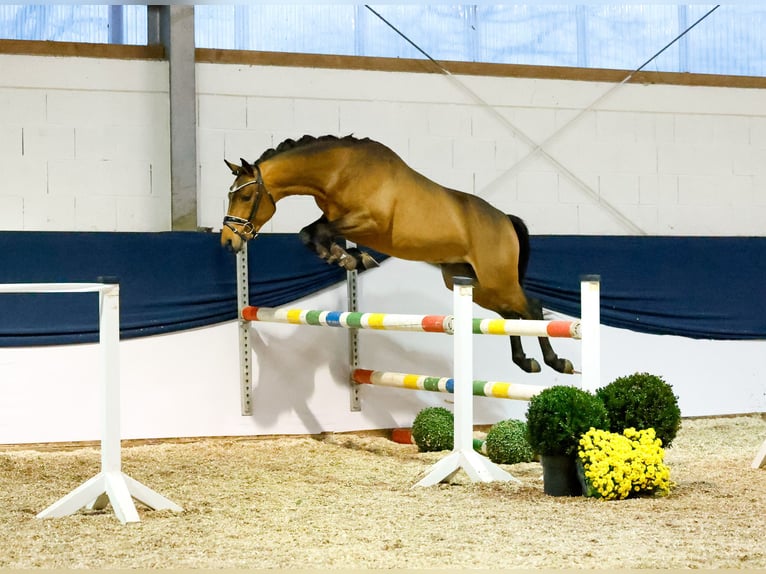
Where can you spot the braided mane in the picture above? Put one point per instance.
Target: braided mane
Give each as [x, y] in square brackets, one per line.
[305, 141]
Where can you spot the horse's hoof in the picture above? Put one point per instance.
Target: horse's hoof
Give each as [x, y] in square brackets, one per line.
[343, 259]
[368, 261]
[562, 366]
[337, 253]
[530, 366]
[348, 263]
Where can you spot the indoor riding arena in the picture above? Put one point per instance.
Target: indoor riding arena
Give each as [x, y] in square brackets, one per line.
[246, 251]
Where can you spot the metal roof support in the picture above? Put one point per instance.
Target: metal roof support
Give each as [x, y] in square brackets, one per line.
[173, 27]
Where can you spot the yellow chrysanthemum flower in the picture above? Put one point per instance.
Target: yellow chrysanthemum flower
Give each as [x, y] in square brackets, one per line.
[620, 465]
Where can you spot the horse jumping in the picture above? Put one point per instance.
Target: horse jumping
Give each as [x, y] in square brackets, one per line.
[369, 195]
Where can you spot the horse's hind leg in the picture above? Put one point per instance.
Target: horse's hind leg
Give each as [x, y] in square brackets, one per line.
[526, 364]
[549, 355]
[534, 310]
[451, 270]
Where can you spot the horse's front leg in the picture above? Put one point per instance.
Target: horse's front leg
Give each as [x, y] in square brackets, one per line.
[319, 237]
[352, 257]
[352, 224]
[323, 238]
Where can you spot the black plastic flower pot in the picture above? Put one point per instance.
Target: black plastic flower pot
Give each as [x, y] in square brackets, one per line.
[560, 475]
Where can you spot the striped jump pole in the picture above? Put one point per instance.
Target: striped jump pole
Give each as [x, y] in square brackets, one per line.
[422, 323]
[351, 319]
[480, 388]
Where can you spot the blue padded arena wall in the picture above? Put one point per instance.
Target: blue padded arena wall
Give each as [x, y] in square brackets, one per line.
[699, 287]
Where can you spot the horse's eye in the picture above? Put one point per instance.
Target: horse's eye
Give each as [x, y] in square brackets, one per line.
[245, 196]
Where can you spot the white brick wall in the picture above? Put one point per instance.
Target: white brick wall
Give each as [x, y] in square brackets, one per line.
[668, 159]
[84, 144]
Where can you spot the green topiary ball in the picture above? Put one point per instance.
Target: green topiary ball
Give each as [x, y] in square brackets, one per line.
[559, 415]
[507, 443]
[433, 429]
[642, 401]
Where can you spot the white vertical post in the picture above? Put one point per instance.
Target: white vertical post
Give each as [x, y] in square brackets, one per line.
[462, 361]
[590, 321]
[115, 488]
[111, 485]
[477, 467]
[109, 337]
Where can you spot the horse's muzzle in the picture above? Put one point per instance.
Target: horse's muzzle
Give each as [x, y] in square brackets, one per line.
[235, 234]
[242, 228]
[228, 245]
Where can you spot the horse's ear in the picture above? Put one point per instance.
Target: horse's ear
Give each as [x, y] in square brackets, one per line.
[246, 167]
[233, 167]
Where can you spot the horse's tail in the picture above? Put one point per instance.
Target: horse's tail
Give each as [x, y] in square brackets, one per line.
[523, 234]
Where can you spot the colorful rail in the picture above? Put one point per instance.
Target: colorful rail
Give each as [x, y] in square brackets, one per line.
[403, 322]
[481, 388]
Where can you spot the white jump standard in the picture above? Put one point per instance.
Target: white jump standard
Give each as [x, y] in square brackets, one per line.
[463, 456]
[111, 485]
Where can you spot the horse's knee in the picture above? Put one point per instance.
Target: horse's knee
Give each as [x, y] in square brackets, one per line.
[306, 237]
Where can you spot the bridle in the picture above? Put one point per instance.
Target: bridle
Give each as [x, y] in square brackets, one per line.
[247, 230]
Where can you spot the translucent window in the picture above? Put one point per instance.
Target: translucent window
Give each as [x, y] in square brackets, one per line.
[617, 36]
[305, 28]
[74, 23]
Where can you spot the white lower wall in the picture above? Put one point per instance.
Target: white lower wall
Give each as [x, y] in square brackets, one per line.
[187, 384]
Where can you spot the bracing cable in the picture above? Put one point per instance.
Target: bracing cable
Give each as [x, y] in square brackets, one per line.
[539, 148]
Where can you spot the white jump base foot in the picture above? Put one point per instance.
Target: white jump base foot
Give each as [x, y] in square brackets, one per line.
[113, 487]
[760, 458]
[477, 467]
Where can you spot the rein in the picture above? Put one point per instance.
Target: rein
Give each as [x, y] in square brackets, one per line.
[247, 229]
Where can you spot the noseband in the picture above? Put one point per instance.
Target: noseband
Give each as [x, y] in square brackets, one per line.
[246, 230]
